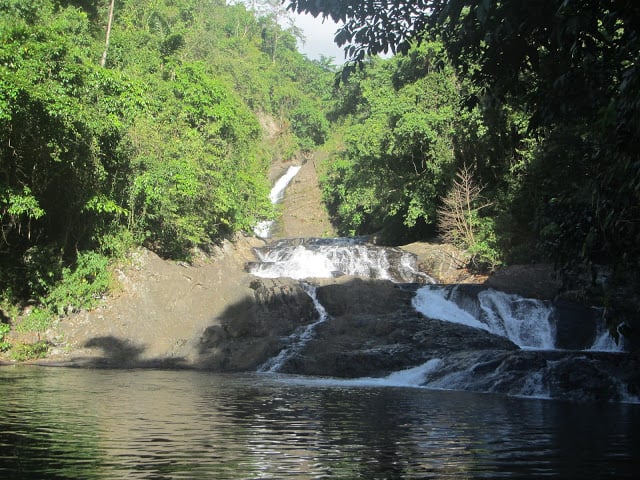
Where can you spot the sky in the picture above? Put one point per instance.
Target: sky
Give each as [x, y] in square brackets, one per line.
[319, 38]
[318, 35]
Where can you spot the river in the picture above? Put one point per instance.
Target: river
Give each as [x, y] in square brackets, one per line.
[91, 424]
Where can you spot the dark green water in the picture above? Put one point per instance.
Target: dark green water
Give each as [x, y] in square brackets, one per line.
[86, 424]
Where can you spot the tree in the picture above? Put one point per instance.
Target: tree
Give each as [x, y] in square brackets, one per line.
[281, 22]
[460, 221]
[398, 154]
[103, 60]
[571, 65]
[557, 82]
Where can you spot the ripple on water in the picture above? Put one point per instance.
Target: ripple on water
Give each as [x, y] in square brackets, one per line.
[155, 424]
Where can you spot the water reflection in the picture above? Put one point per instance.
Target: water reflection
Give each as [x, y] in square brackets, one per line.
[57, 423]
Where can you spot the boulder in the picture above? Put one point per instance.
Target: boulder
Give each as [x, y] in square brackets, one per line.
[532, 281]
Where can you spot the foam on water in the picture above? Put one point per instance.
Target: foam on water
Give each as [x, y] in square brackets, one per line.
[524, 321]
[411, 377]
[298, 262]
[326, 258]
[277, 192]
[604, 342]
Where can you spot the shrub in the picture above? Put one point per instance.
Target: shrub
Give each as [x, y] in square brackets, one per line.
[82, 286]
[30, 351]
[4, 330]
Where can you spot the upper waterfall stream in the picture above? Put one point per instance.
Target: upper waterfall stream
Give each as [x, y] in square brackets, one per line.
[263, 229]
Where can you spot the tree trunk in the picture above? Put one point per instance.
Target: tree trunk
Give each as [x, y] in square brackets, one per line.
[103, 61]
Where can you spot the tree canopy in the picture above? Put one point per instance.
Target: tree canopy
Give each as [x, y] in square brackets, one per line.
[157, 143]
[570, 67]
[556, 83]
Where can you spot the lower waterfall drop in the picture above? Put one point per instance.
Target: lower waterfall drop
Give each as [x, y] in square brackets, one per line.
[529, 323]
[297, 340]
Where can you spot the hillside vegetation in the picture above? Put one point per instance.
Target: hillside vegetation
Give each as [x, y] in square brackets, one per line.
[152, 137]
[509, 128]
[506, 129]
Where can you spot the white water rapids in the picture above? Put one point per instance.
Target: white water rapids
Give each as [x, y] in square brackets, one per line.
[332, 257]
[524, 321]
[527, 322]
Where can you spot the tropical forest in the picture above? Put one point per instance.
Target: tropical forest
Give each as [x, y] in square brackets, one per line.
[227, 253]
[507, 129]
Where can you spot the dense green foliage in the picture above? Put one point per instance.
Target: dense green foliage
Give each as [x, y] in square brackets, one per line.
[552, 88]
[556, 82]
[406, 135]
[398, 149]
[161, 147]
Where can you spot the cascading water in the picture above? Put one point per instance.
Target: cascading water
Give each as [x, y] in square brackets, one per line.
[298, 340]
[527, 322]
[263, 229]
[547, 340]
[327, 258]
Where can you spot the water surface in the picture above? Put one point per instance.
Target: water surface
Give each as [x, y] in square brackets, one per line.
[86, 424]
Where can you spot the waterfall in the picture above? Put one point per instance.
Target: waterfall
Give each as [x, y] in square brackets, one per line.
[604, 342]
[327, 258]
[554, 337]
[263, 229]
[527, 322]
[524, 321]
[298, 340]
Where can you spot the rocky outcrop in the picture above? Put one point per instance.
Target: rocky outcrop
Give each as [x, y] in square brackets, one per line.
[445, 263]
[372, 330]
[174, 314]
[251, 332]
[531, 281]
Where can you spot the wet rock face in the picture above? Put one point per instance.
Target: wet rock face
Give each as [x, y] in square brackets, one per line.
[361, 297]
[373, 330]
[183, 317]
[250, 332]
[575, 325]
